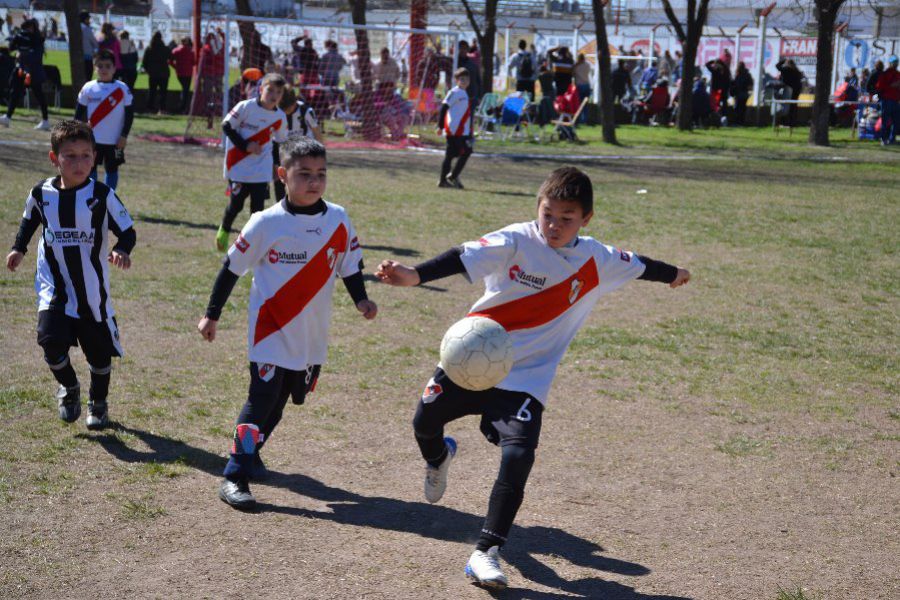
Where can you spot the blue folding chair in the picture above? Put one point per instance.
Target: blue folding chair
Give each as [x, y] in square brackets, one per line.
[513, 115]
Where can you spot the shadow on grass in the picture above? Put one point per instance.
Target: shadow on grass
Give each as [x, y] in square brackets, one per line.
[176, 223]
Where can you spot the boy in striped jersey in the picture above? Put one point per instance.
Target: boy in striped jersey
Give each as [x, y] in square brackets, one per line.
[72, 281]
[105, 104]
[541, 281]
[296, 249]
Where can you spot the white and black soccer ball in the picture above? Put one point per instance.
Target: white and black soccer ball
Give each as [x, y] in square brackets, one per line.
[476, 353]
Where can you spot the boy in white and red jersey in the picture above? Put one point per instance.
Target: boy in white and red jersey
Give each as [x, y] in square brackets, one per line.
[541, 281]
[296, 250]
[253, 129]
[455, 122]
[105, 104]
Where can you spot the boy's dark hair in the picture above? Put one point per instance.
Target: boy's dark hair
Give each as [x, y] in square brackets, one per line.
[272, 79]
[569, 184]
[70, 130]
[104, 55]
[298, 147]
[288, 99]
[522, 44]
[460, 73]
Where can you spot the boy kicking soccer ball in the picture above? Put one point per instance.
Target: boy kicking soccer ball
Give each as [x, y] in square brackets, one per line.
[72, 281]
[254, 129]
[295, 249]
[541, 281]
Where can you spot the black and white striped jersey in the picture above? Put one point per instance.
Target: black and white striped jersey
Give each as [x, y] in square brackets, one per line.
[72, 268]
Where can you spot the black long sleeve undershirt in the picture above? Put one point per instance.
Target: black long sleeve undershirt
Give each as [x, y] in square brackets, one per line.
[222, 289]
[356, 287]
[81, 112]
[656, 270]
[234, 136]
[443, 265]
[442, 116]
[27, 227]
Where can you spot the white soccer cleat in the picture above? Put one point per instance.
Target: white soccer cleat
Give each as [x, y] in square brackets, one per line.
[484, 569]
[4, 121]
[436, 477]
[43, 125]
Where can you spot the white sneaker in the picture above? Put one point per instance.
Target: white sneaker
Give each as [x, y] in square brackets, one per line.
[4, 121]
[436, 477]
[484, 569]
[43, 125]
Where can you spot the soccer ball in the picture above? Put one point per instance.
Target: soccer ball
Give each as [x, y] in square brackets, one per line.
[476, 353]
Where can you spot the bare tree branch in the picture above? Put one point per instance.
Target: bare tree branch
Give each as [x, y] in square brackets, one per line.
[679, 30]
[471, 15]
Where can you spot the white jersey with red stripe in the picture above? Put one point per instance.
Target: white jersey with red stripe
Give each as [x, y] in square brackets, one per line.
[295, 260]
[255, 123]
[105, 102]
[542, 295]
[459, 113]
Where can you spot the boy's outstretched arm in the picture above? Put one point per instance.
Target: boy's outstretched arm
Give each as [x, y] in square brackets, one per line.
[443, 265]
[222, 289]
[657, 270]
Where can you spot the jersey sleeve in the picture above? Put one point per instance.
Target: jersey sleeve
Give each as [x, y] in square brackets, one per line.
[281, 135]
[311, 121]
[129, 97]
[119, 218]
[489, 254]
[30, 206]
[351, 262]
[249, 246]
[616, 267]
[82, 95]
[234, 116]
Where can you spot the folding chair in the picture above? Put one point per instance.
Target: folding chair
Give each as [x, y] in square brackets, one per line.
[485, 115]
[564, 125]
[514, 116]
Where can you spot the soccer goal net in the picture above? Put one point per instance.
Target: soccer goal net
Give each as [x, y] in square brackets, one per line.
[374, 83]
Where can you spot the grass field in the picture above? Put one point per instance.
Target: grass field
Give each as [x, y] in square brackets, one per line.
[736, 438]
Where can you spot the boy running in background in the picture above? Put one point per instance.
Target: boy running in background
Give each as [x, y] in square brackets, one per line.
[105, 104]
[295, 248]
[541, 282]
[455, 121]
[254, 129]
[301, 121]
[72, 281]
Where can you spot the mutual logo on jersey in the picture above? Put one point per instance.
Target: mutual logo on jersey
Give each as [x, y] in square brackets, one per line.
[432, 391]
[68, 237]
[266, 372]
[536, 282]
[577, 286]
[286, 258]
[241, 243]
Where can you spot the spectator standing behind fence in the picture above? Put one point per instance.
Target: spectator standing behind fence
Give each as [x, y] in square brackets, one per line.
[466, 62]
[305, 60]
[888, 89]
[156, 64]
[109, 41]
[525, 64]
[255, 54]
[129, 55]
[719, 83]
[741, 88]
[582, 75]
[29, 71]
[872, 80]
[649, 77]
[386, 72]
[621, 82]
[89, 44]
[211, 72]
[700, 107]
[561, 63]
[182, 60]
[330, 64]
[792, 77]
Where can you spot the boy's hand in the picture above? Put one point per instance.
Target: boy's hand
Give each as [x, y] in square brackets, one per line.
[207, 328]
[254, 148]
[13, 260]
[681, 278]
[368, 309]
[393, 273]
[120, 259]
[121, 143]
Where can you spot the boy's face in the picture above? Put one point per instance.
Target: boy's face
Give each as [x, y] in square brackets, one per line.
[105, 70]
[305, 180]
[560, 220]
[270, 95]
[74, 161]
[462, 82]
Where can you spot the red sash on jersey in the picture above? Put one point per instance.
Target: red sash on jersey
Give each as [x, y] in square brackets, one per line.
[290, 300]
[544, 306]
[106, 106]
[261, 137]
[462, 122]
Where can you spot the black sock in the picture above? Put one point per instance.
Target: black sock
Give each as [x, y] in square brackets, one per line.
[460, 165]
[64, 373]
[100, 383]
[506, 496]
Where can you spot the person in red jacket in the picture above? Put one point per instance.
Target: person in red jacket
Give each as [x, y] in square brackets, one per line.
[888, 89]
[183, 61]
[212, 71]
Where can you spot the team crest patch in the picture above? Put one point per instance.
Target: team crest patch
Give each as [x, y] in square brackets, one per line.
[354, 244]
[266, 372]
[624, 256]
[235, 188]
[241, 244]
[432, 391]
[331, 256]
[273, 256]
[577, 286]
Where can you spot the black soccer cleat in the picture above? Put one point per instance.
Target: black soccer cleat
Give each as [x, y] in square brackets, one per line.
[69, 401]
[237, 494]
[98, 415]
[455, 182]
[443, 183]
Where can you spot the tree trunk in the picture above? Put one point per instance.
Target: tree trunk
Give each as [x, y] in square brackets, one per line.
[607, 107]
[826, 14]
[364, 103]
[418, 19]
[686, 100]
[246, 29]
[486, 43]
[76, 54]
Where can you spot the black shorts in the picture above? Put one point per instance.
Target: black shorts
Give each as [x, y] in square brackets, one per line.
[274, 383]
[457, 145]
[110, 157]
[258, 193]
[506, 417]
[98, 340]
